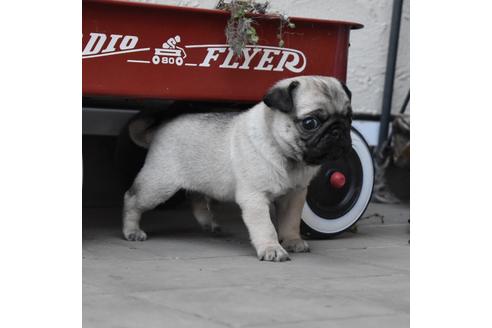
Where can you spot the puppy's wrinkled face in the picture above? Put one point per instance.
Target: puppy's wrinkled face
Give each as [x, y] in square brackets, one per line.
[319, 108]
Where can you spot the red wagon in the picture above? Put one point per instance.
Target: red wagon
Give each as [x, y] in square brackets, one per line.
[155, 51]
[147, 51]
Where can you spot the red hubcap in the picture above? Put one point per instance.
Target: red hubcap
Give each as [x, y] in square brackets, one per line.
[337, 180]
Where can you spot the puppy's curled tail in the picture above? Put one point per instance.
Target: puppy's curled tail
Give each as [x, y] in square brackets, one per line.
[142, 130]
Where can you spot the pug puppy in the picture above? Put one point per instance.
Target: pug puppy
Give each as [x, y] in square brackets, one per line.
[267, 154]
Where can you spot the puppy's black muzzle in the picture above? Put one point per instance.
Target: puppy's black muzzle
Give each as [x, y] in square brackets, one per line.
[330, 142]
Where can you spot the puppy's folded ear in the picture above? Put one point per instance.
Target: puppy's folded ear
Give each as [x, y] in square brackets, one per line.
[281, 98]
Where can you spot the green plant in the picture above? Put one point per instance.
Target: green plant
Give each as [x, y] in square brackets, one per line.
[240, 31]
[284, 21]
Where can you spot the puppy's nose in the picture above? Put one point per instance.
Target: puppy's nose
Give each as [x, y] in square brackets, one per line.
[336, 133]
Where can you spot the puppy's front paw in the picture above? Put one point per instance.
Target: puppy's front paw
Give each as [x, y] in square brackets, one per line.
[296, 245]
[135, 235]
[273, 253]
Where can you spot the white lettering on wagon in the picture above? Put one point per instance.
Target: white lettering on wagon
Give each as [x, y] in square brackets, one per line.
[94, 46]
[271, 58]
[257, 57]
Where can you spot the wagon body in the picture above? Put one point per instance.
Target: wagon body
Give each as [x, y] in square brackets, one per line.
[148, 51]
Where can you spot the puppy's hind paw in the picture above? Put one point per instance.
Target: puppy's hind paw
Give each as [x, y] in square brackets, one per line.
[296, 246]
[135, 235]
[274, 253]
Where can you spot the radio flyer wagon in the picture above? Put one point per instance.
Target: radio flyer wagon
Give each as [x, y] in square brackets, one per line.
[146, 52]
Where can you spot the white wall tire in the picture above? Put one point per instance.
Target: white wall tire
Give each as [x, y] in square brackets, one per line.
[315, 225]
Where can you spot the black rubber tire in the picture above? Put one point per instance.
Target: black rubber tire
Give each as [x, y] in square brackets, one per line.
[319, 224]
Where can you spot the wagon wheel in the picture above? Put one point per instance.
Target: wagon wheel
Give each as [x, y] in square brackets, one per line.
[338, 196]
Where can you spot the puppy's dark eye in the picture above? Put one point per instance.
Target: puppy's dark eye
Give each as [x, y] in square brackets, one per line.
[310, 123]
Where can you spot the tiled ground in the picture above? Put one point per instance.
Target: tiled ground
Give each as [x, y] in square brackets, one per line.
[182, 277]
